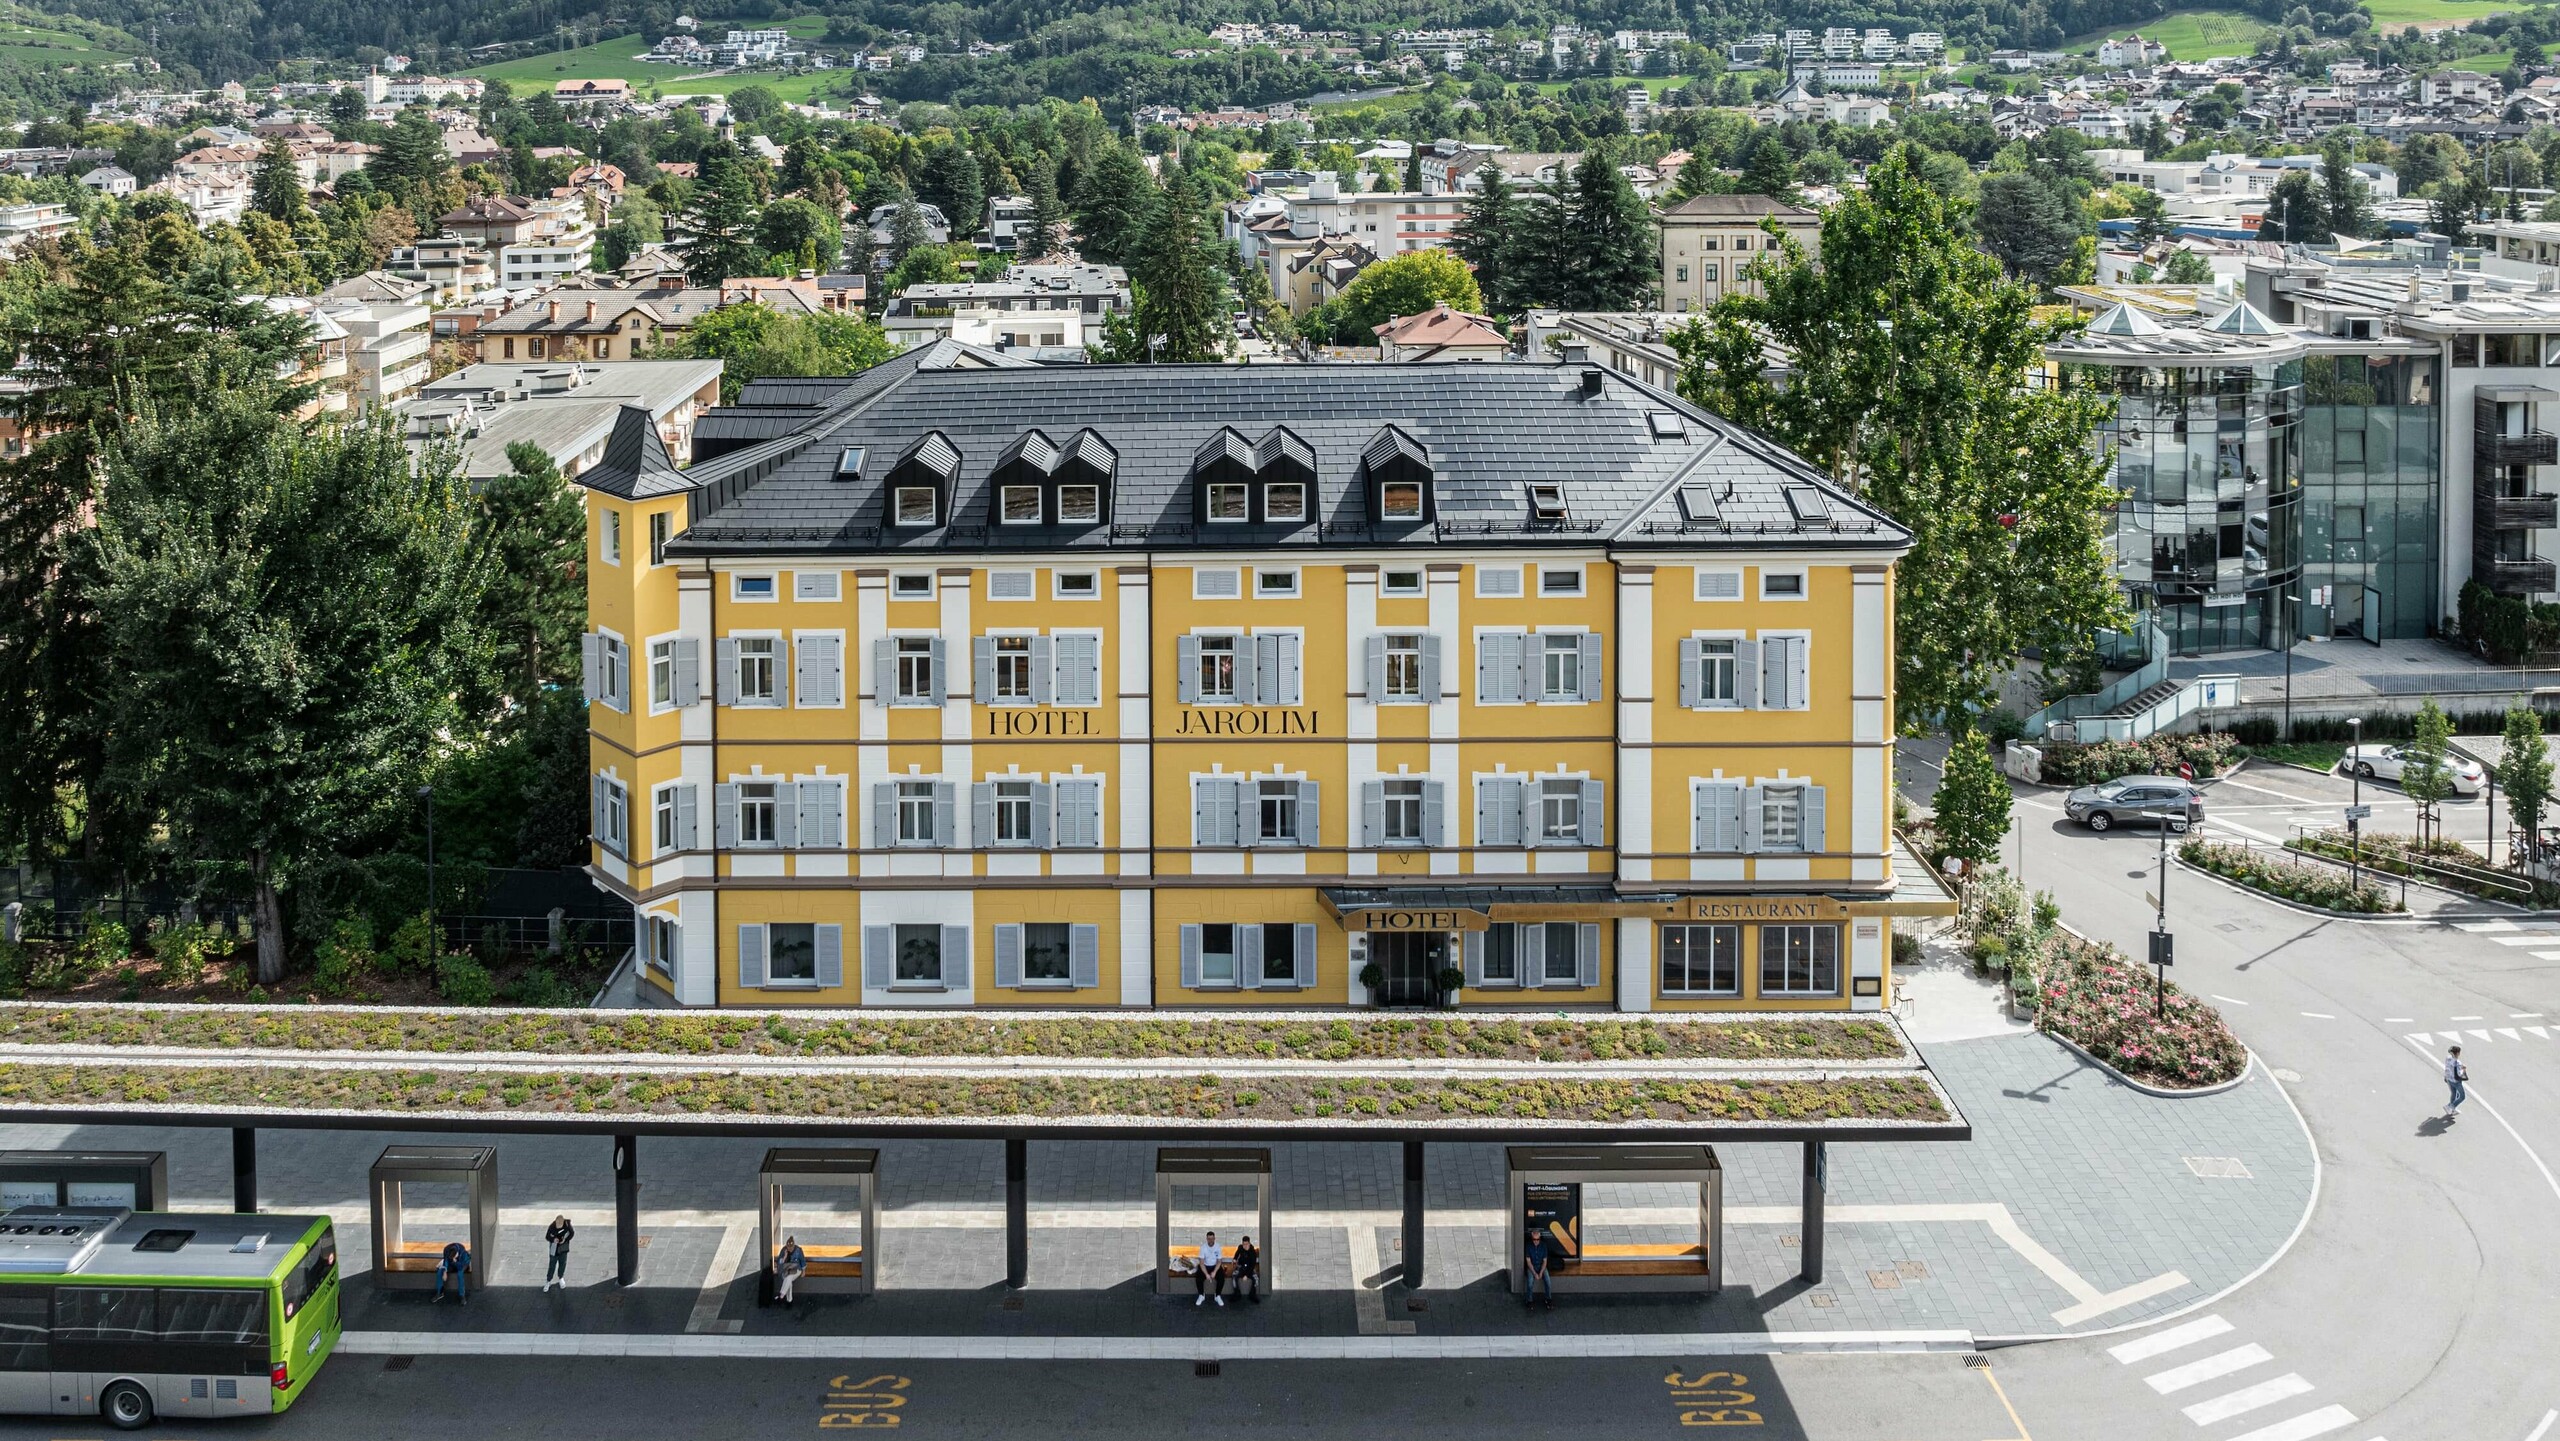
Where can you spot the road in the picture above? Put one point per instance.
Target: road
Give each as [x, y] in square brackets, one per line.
[2419, 1300]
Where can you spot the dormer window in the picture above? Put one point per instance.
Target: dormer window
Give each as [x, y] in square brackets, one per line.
[1021, 505]
[1229, 501]
[916, 505]
[1400, 500]
[1284, 500]
[920, 484]
[1396, 471]
[1546, 501]
[1079, 504]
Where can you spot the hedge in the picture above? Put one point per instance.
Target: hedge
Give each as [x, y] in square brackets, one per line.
[2069, 763]
[2101, 1002]
[957, 1035]
[2320, 886]
[854, 1097]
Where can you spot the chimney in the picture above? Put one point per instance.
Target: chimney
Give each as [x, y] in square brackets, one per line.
[1575, 352]
[1591, 382]
[553, 308]
[591, 312]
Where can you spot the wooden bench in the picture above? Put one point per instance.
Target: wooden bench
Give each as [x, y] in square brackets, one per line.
[1633, 1259]
[830, 1260]
[414, 1256]
[1180, 1259]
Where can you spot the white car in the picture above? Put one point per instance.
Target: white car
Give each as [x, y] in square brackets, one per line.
[2385, 763]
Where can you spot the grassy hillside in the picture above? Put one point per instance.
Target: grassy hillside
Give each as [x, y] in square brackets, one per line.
[42, 45]
[619, 59]
[2393, 14]
[2194, 34]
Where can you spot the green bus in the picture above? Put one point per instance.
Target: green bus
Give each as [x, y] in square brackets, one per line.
[135, 1315]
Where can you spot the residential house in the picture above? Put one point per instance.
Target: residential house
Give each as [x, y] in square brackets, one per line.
[1707, 244]
[569, 410]
[1439, 335]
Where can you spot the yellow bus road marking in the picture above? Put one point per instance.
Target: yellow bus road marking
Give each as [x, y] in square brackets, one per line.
[2004, 1403]
[1712, 1398]
[871, 1404]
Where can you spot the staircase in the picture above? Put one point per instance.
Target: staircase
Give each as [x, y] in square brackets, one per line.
[2142, 700]
[2139, 704]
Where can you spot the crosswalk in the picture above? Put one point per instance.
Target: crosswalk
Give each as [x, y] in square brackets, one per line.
[2200, 1361]
[2539, 938]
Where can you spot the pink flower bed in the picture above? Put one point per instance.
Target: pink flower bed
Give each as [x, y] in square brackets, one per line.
[2095, 998]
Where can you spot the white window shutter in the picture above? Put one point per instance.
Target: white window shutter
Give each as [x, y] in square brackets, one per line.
[1530, 813]
[1186, 668]
[884, 671]
[805, 689]
[1310, 812]
[688, 670]
[1080, 670]
[1008, 957]
[1589, 941]
[1374, 669]
[724, 665]
[1203, 832]
[982, 814]
[1292, 682]
[1595, 811]
[830, 813]
[1488, 667]
[944, 796]
[1373, 813]
[751, 956]
[591, 666]
[1814, 821]
[982, 669]
[1043, 804]
[1593, 644]
[879, 957]
[687, 832]
[1084, 957]
[1750, 828]
[1430, 669]
[1435, 806]
[955, 958]
[1471, 949]
[786, 815]
[938, 654]
[831, 670]
[830, 956]
[884, 814]
[1249, 670]
[1044, 687]
[724, 817]
[812, 808]
[1746, 673]
[1249, 957]
[1190, 973]
[1302, 959]
[595, 807]
[1079, 812]
[1691, 695]
[1799, 673]
[1517, 675]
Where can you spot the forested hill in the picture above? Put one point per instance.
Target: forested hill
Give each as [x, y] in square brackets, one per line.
[238, 39]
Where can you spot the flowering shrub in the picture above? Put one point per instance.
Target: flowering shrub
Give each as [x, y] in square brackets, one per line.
[2322, 886]
[2101, 1002]
[2071, 764]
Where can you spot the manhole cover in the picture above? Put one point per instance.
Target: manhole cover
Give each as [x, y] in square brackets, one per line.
[1913, 1270]
[1885, 1280]
[1821, 1298]
[2232, 926]
[399, 1363]
[1013, 1303]
[2218, 1168]
[2284, 1075]
[1788, 1241]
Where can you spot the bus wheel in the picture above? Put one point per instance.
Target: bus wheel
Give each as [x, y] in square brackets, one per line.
[127, 1406]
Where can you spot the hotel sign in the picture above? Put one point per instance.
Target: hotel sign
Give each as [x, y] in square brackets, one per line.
[1232, 721]
[1414, 921]
[1793, 908]
[1031, 721]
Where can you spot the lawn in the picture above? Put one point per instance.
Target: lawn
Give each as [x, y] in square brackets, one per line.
[619, 59]
[2191, 34]
[2319, 755]
[35, 45]
[2393, 14]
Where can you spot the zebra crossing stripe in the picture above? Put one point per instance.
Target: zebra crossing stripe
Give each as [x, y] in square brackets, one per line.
[2247, 1399]
[2303, 1427]
[2161, 1343]
[2196, 1373]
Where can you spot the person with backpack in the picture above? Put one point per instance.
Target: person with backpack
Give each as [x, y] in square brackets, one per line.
[2456, 1079]
[558, 1238]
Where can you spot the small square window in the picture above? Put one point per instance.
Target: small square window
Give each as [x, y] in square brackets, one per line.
[1497, 581]
[1782, 585]
[751, 587]
[816, 585]
[1021, 505]
[912, 586]
[916, 505]
[1284, 501]
[1216, 585]
[1275, 582]
[1227, 501]
[1078, 585]
[1400, 500]
[1559, 580]
[1402, 582]
[1546, 501]
[1079, 504]
[848, 461]
[1013, 585]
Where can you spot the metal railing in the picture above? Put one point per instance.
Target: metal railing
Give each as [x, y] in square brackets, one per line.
[2093, 707]
[2451, 875]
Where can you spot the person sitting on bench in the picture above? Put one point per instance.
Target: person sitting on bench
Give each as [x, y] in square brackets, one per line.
[788, 1267]
[1209, 1272]
[1246, 1265]
[457, 1265]
[1537, 1271]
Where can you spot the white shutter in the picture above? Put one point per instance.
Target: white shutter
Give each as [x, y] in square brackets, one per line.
[1592, 647]
[1079, 670]
[1079, 812]
[884, 814]
[786, 815]
[688, 670]
[1750, 828]
[1435, 806]
[944, 794]
[1043, 803]
[1595, 810]
[1043, 677]
[1302, 959]
[811, 820]
[724, 817]
[1799, 673]
[830, 813]
[982, 814]
[1189, 977]
[1374, 669]
[751, 956]
[1310, 812]
[1186, 668]
[1249, 957]
[830, 956]
[1471, 950]
[1746, 673]
[1008, 957]
[879, 957]
[1249, 669]
[982, 669]
[1373, 813]
[1430, 670]
[1691, 697]
[1084, 957]
[955, 958]
[591, 666]
[1531, 810]
[1588, 942]
[1812, 826]
[1292, 683]
[884, 670]
[937, 652]
[595, 807]
[724, 664]
[686, 829]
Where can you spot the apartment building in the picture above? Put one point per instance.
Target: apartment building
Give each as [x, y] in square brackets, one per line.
[530, 239]
[1709, 241]
[1032, 307]
[1204, 686]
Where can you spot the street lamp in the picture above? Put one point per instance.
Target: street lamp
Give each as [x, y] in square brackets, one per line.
[2355, 807]
[434, 944]
[2161, 946]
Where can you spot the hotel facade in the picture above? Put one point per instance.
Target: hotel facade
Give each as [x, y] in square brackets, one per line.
[966, 683]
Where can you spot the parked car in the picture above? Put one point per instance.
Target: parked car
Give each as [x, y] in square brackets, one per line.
[2169, 800]
[2388, 763]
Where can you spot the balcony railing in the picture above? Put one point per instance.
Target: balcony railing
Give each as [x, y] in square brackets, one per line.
[2537, 447]
[2512, 577]
[2515, 512]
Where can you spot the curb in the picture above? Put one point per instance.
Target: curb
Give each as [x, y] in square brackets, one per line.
[1148, 1348]
[2145, 1087]
[2386, 918]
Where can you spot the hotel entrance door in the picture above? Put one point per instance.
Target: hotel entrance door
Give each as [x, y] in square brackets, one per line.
[1411, 965]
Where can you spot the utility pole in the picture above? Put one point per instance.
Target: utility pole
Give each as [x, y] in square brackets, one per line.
[2162, 947]
[2355, 805]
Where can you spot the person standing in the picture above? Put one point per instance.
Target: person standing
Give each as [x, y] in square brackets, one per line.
[788, 1267]
[2456, 1079]
[1209, 1274]
[1537, 1271]
[558, 1238]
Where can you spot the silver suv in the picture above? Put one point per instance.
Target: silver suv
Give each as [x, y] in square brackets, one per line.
[2173, 802]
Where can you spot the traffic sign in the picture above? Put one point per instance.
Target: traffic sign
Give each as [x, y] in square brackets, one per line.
[2358, 813]
[2163, 949]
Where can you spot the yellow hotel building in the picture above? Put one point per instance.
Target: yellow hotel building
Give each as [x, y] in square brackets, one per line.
[965, 682]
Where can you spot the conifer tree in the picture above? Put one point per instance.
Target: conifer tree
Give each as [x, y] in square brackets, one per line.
[1181, 304]
[275, 187]
[1614, 267]
[1484, 239]
[719, 220]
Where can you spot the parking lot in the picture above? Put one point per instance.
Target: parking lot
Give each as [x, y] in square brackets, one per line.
[2269, 802]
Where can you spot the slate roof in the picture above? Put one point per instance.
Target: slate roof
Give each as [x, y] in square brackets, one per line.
[1621, 450]
[635, 463]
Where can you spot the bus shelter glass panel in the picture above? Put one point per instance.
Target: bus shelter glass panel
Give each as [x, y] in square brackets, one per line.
[1578, 1197]
[1224, 1189]
[408, 1238]
[829, 1201]
[135, 1180]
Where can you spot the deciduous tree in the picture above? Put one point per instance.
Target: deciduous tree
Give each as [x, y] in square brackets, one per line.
[2524, 772]
[1400, 285]
[1972, 805]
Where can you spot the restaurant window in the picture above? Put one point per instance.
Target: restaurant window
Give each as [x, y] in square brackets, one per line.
[1799, 960]
[1701, 960]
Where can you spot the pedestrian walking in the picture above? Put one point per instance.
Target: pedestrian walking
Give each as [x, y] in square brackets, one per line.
[558, 1238]
[2456, 1080]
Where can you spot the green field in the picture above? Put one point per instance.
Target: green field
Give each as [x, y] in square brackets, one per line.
[36, 45]
[614, 59]
[2191, 34]
[2393, 14]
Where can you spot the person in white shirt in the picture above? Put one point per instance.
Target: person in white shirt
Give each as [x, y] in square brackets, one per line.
[1209, 1272]
[2456, 1075]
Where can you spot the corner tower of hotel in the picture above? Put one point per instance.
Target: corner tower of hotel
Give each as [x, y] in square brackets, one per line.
[964, 682]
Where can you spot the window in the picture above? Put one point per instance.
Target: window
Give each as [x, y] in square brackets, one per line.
[1046, 957]
[1013, 585]
[1559, 943]
[751, 587]
[756, 670]
[1284, 500]
[816, 585]
[1079, 504]
[1782, 818]
[1497, 581]
[121, 1316]
[1275, 582]
[1718, 682]
[665, 944]
[915, 818]
[658, 528]
[1013, 669]
[1216, 584]
[1076, 585]
[791, 954]
[611, 685]
[1555, 580]
[1403, 819]
[614, 817]
[611, 542]
[1021, 504]
[1560, 667]
[917, 505]
[662, 821]
[1681, 274]
[1719, 584]
[1400, 500]
[1402, 582]
[1228, 500]
[1217, 679]
[1782, 585]
[1278, 812]
[1701, 960]
[1546, 501]
[662, 673]
[1560, 810]
[915, 681]
[1708, 274]
[918, 952]
[1013, 813]
[1279, 955]
[1218, 955]
[912, 586]
[1799, 960]
[758, 814]
[1404, 668]
[1502, 956]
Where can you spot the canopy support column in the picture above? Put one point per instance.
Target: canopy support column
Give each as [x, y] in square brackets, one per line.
[1017, 1212]
[1413, 1215]
[626, 1209]
[244, 1169]
[1817, 1179]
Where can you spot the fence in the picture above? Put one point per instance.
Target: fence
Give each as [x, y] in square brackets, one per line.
[512, 908]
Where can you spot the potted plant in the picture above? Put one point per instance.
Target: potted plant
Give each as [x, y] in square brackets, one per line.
[1451, 979]
[1373, 976]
